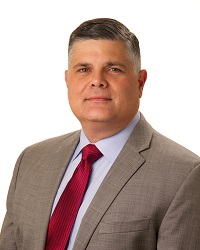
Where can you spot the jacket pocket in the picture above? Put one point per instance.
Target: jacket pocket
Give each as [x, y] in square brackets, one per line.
[124, 226]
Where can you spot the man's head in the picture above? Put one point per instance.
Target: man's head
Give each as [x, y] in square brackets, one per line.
[107, 29]
[104, 78]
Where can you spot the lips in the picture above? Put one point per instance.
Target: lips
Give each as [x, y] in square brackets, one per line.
[98, 99]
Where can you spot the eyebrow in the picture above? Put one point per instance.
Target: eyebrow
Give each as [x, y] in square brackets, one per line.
[81, 65]
[106, 64]
[116, 64]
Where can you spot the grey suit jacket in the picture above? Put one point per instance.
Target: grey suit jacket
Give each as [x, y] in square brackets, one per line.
[150, 198]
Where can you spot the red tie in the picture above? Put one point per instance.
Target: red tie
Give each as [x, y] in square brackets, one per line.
[64, 215]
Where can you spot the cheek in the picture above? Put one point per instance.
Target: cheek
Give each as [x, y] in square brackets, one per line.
[128, 92]
[129, 98]
[75, 97]
[72, 96]
[73, 90]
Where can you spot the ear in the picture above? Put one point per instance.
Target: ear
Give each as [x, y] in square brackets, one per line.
[66, 77]
[142, 77]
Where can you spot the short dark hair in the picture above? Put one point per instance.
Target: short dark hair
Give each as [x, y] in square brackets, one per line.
[108, 29]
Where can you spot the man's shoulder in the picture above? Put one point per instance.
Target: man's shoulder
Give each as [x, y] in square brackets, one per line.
[162, 146]
[55, 143]
[165, 142]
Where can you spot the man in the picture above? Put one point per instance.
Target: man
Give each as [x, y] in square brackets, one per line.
[143, 193]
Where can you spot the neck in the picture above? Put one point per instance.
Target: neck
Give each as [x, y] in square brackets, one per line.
[96, 131]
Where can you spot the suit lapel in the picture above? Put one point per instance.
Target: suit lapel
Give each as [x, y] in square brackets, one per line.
[126, 164]
[52, 176]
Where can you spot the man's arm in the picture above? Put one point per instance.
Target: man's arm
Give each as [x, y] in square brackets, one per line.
[7, 240]
[180, 228]
[7, 237]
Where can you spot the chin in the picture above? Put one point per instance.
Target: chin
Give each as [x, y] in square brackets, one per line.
[97, 119]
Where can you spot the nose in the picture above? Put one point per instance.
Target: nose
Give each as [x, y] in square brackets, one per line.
[99, 81]
[101, 84]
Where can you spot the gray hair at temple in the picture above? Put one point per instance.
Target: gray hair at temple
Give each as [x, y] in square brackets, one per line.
[107, 29]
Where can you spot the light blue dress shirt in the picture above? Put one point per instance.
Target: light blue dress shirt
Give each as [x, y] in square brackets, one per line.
[110, 148]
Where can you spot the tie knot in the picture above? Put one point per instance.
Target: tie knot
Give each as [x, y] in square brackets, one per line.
[91, 153]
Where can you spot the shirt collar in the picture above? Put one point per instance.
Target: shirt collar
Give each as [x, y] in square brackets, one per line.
[110, 146]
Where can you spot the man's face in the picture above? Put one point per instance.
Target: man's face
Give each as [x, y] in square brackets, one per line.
[103, 87]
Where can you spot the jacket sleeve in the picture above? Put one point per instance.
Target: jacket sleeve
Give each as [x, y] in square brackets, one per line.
[7, 236]
[180, 228]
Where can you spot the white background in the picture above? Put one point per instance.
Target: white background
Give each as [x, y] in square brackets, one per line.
[33, 57]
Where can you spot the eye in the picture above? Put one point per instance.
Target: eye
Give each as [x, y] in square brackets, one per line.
[83, 70]
[115, 70]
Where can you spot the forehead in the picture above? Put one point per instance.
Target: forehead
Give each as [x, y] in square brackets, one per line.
[98, 49]
[98, 42]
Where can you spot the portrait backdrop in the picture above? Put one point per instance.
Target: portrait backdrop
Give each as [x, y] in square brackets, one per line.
[33, 58]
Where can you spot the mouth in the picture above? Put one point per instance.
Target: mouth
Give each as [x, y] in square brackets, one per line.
[98, 99]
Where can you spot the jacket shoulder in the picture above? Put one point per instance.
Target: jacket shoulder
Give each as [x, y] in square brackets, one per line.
[161, 147]
[55, 143]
